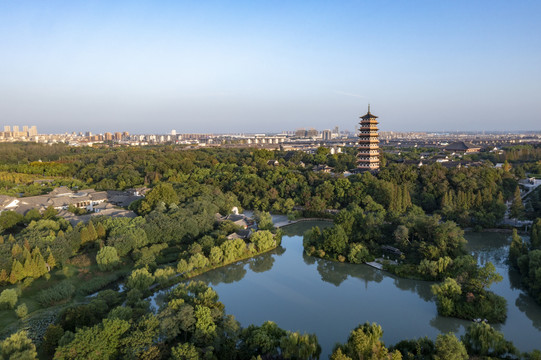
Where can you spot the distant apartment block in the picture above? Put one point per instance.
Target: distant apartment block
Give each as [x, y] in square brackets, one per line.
[15, 133]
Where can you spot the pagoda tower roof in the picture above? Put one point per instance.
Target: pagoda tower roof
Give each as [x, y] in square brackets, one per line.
[368, 115]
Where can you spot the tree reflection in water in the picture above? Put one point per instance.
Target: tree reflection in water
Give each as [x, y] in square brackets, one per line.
[529, 307]
[330, 272]
[422, 288]
[447, 324]
[227, 274]
[264, 262]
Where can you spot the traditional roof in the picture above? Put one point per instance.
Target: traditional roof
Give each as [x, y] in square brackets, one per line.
[59, 191]
[461, 146]
[240, 234]
[233, 236]
[97, 196]
[35, 201]
[6, 200]
[123, 200]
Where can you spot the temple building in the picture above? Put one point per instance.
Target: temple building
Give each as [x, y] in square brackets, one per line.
[368, 155]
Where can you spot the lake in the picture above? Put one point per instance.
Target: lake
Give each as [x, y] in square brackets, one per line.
[303, 293]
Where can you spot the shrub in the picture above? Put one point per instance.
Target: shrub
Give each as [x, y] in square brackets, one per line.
[80, 261]
[55, 294]
[21, 311]
[8, 299]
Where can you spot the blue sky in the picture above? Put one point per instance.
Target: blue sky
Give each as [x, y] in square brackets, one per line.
[268, 66]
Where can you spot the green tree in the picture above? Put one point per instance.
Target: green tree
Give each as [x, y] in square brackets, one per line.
[447, 294]
[32, 215]
[100, 231]
[50, 213]
[448, 347]
[163, 192]
[140, 340]
[482, 339]
[364, 343]
[358, 253]
[8, 298]
[205, 328]
[261, 340]
[9, 219]
[17, 272]
[18, 347]
[140, 279]
[233, 249]
[51, 261]
[263, 240]
[335, 240]
[535, 235]
[401, 236]
[216, 255]
[92, 234]
[516, 210]
[107, 258]
[21, 311]
[198, 261]
[516, 249]
[39, 268]
[102, 341]
[300, 346]
[185, 351]
[264, 220]
[183, 266]
[52, 336]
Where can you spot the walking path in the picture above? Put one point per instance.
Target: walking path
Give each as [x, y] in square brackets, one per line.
[375, 265]
[291, 222]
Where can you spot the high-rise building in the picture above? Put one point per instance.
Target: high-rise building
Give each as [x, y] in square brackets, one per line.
[15, 128]
[300, 133]
[326, 134]
[118, 136]
[108, 136]
[368, 155]
[7, 128]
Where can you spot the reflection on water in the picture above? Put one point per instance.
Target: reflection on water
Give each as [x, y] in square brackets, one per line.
[308, 294]
[528, 306]
[523, 322]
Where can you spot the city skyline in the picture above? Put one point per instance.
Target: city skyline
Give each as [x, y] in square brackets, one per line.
[256, 67]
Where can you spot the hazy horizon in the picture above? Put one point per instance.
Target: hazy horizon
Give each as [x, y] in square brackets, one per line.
[255, 67]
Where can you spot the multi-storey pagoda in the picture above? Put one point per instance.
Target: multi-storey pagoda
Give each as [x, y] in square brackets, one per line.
[368, 155]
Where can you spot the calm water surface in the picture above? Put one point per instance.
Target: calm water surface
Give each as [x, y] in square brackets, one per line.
[302, 293]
